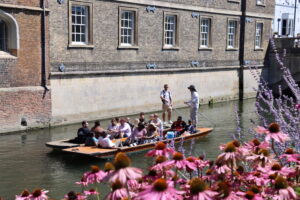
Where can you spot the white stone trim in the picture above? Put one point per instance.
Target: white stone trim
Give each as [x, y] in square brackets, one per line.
[19, 89]
[259, 15]
[182, 7]
[5, 5]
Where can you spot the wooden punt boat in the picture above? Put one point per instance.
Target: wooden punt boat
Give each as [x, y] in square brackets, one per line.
[108, 153]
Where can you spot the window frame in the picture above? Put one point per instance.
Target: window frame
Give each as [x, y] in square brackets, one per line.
[176, 38]
[209, 46]
[261, 36]
[135, 28]
[89, 34]
[234, 1]
[236, 35]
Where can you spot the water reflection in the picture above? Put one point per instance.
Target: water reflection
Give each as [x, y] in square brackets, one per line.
[27, 164]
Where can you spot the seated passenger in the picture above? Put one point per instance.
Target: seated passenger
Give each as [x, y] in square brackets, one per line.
[124, 129]
[158, 123]
[82, 133]
[128, 122]
[113, 128]
[139, 132]
[97, 129]
[190, 127]
[178, 126]
[151, 131]
[142, 118]
[104, 141]
[151, 118]
[91, 140]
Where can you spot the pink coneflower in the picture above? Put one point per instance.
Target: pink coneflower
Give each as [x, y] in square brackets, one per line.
[221, 168]
[73, 196]
[200, 191]
[83, 181]
[161, 149]
[273, 132]
[260, 158]
[290, 155]
[95, 175]
[253, 145]
[179, 162]
[276, 168]
[201, 164]
[250, 195]
[231, 155]
[123, 171]
[159, 166]
[118, 192]
[285, 192]
[160, 190]
[90, 192]
[39, 194]
[24, 196]
[257, 178]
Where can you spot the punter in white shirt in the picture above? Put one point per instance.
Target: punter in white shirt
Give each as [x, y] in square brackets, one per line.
[166, 98]
[104, 141]
[193, 104]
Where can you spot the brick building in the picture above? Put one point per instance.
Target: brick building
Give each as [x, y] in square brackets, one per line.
[102, 53]
[24, 63]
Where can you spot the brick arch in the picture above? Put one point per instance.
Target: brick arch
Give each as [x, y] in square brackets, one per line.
[13, 43]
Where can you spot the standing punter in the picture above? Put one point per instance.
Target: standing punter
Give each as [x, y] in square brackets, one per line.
[194, 104]
[166, 99]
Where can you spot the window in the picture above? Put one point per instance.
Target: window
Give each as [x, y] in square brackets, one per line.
[80, 24]
[128, 27]
[258, 35]
[205, 32]
[260, 2]
[170, 30]
[231, 34]
[3, 36]
[287, 27]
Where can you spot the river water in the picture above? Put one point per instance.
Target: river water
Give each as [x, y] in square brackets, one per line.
[26, 163]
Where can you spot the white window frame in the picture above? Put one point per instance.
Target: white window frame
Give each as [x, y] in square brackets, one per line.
[232, 34]
[170, 30]
[124, 27]
[258, 35]
[86, 24]
[205, 32]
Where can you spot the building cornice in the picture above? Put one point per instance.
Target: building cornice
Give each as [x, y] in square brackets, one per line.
[32, 8]
[259, 15]
[182, 7]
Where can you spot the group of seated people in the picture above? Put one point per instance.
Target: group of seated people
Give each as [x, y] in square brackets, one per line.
[137, 132]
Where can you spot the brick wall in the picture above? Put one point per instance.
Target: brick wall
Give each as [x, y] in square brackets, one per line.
[27, 103]
[21, 94]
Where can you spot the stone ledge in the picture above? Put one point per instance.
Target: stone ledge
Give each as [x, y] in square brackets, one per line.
[4, 5]
[137, 72]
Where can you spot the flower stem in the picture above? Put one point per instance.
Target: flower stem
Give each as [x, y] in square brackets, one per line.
[273, 148]
[127, 189]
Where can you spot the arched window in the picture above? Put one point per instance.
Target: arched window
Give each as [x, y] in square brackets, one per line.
[3, 36]
[9, 33]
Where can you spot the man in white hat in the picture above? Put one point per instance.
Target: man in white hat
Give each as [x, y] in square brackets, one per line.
[193, 104]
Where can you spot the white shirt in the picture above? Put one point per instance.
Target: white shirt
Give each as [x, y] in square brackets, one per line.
[194, 102]
[166, 95]
[126, 129]
[105, 142]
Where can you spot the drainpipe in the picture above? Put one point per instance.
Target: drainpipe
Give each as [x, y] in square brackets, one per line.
[242, 49]
[295, 11]
[43, 48]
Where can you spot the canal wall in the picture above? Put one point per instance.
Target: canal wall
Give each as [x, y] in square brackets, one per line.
[97, 95]
[289, 52]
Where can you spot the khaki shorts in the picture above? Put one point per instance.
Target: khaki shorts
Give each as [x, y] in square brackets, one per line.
[166, 108]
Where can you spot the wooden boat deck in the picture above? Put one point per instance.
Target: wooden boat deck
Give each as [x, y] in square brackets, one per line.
[104, 153]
